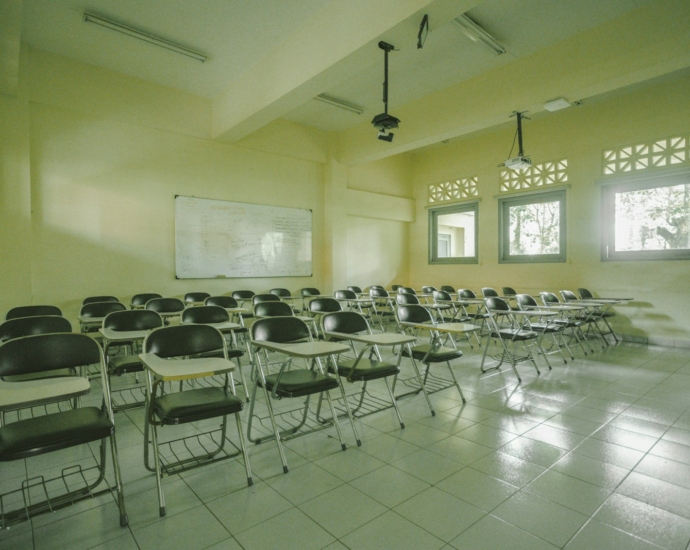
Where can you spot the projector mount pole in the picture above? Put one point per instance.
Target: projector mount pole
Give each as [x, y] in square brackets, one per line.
[520, 116]
[386, 47]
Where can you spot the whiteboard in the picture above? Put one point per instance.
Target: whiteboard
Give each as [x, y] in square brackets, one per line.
[232, 239]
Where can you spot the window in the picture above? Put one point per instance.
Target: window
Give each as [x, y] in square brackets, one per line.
[532, 228]
[647, 219]
[453, 234]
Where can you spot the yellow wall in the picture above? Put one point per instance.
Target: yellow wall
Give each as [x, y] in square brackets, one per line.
[661, 311]
[92, 160]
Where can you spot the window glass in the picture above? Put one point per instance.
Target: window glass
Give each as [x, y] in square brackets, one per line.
[532, 228]
[647, 220]
[453, 234]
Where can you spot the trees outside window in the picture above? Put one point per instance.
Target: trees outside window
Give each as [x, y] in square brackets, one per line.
[532, 228]
[647, 220]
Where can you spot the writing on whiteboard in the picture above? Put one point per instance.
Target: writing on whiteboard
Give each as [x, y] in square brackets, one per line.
[220, 238]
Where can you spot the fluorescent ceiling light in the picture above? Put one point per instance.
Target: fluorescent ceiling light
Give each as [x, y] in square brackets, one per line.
[557, 104]
[475, 33]
[142, 35]
[337, 103]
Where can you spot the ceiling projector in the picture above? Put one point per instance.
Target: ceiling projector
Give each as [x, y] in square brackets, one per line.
[518, 163]
[384, 123]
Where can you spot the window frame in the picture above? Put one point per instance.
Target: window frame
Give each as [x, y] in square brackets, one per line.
[520, 199]
[457, 208]
[608, 216]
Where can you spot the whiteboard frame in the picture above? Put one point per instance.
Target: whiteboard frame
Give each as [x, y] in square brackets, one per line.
[311, 229]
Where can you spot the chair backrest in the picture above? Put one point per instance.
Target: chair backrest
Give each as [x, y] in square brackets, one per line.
[279, 329]
[27, 326]
[281, 292]
[45, 352]
[182, 340]
[32, 311]
[466, 293]
[165, 305]
[446, 288]
[525, 300]
[584, 293]
[378, 292]
[222, 301]
[428, 289]
[489, 292]
[406, 299]
[441, 296]
[205, 314]
[93, 299]
[192, 297]
[310, 292]
[355, 289]
[414, 314]
[100, 309]
[406, 290]
[325, 304]
[261, 298]
[509, 291]
[395, 288]
[133, 319]
[348, 322]
[273, 309]
[376, 286]
[568, 296]
[141, 299]
[241, 295]
[345, 295]
[494, 303]
[549, 298]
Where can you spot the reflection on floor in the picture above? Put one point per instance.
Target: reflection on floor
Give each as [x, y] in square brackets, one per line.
[591, 455]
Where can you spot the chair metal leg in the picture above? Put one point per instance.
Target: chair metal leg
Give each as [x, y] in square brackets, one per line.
[455, 380]
[243, 446]
[335, 420]
[124, 520]
[395, 404]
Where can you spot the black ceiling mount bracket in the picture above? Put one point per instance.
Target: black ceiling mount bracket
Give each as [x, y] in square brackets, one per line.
[385, 122]
[520, 115]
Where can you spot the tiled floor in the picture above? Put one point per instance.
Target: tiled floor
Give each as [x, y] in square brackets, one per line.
[591, 455]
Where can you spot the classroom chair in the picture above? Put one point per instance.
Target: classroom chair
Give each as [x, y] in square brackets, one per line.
[194, 298]
[94, 299]
[32, 311]
[53, 431]
[118, 329]
[139, 300]
[172, 354]
[282, 334]
[508, 329]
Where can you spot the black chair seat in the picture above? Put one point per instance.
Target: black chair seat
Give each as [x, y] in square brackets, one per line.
[367, 370]
[195, 405]
[122, 364]
[515, 335]
[440, 355]
[300, 382]
[539, 327]
[43, 434]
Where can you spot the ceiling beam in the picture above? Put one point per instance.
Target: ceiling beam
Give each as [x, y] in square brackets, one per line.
[334, 45]
[646, 43]
[10, 34]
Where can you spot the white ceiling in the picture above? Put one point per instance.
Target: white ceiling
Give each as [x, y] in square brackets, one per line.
[234, 34]
[237, 34]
